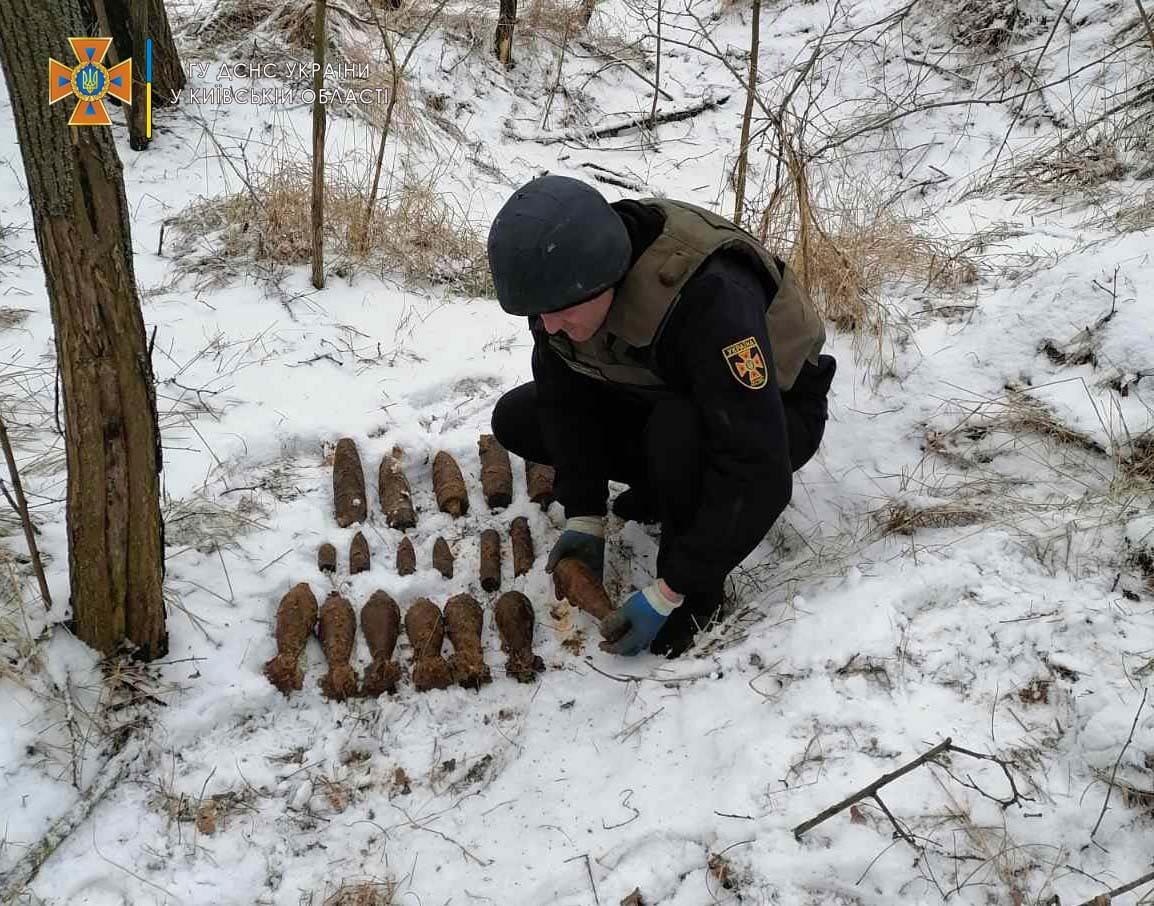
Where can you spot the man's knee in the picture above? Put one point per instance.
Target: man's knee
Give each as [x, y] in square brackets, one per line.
[515, 425]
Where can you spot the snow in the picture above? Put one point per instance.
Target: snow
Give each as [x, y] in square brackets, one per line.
[846, 655]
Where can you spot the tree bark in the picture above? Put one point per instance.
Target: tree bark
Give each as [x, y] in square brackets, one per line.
[130, 23]
[503, 36]
[318, 203]
[80, 214]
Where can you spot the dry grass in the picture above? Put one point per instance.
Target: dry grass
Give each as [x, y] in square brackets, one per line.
[362, 893]
[1136, 213]
[204, 524]
[1021, 413]
[846, 248]
[13, 317]
[1138, 464]
[902, 518]
[991, 25]
[415, 231]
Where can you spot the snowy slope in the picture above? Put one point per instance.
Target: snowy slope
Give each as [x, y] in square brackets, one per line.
[1024, 631]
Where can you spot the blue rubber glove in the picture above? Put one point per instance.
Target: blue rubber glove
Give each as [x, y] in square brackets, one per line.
[632, 626]
[583, 539]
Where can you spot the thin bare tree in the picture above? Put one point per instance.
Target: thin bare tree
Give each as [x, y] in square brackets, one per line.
[318, 201]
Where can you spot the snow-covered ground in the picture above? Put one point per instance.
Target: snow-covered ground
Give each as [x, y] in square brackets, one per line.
[1013, 618]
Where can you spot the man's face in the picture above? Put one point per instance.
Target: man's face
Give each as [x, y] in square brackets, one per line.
[580, 322]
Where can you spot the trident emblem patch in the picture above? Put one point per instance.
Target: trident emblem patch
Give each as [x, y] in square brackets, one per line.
[89, 82]
[746, 363]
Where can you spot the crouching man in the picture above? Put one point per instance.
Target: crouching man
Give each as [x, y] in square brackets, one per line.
[672, 352]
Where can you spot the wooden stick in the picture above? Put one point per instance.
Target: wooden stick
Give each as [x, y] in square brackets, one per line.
[22, 873]
[25, 518]
[1114, 773]
[870, 792]
[636, 122]
[1146, 19]
[1104, 899]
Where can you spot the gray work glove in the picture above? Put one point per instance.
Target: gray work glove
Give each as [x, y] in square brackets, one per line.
[583, 539]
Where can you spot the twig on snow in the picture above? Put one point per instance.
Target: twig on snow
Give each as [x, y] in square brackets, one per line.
[871, 790]
[1104, 899]
[635, 122]
[929, 757]
[1113, 773]
[22, 873]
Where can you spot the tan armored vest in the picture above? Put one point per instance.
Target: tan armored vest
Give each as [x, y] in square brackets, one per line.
[621, 352]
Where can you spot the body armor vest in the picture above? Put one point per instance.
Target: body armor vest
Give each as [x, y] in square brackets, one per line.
[623, 349]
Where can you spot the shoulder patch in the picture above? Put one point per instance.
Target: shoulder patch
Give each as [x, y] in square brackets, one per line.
[746, 363]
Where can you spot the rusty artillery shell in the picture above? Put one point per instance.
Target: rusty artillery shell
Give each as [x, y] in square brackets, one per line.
[496, 472]
[522, 543]
[337, 631]
[327, 558]
[426, 630]
[539, 481]
[349, 484]
[574, 580]
[465, 620]
[490, 565]
[449, 485]
[296, 618]
[359, 557]
[395, 493]
[406, 558]
[381, 624]
[443, 558]
[514, 618]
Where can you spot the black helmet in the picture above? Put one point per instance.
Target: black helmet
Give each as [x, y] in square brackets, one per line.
[555, 243]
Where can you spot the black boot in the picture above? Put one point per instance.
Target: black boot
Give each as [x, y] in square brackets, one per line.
[636, 504]
[694, 614]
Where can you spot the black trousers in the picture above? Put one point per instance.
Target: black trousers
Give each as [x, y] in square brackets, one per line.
[661, 448]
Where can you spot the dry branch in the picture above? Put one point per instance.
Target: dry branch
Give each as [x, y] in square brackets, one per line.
[870, 791]
[930, 757]
[1104, 899]
[1114, 773]
[635, 122]
[21, 506]
[22, 873]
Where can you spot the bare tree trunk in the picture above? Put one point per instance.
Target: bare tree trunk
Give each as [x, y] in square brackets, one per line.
[80, 213]
[130, 23]
[319, 146]
[743, 150]
[657, 73]
[503, 36]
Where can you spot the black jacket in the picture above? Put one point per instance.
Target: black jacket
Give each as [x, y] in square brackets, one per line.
[747, 478]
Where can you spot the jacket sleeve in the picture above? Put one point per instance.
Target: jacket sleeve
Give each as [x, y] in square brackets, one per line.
[574, 432]
[747, 479]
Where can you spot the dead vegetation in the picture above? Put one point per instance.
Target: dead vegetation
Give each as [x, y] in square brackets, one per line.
[415, 231]
[355, 893]
[989, 26]
[903, 518]
[13, 317]
[1138, 463]
[851, 249]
